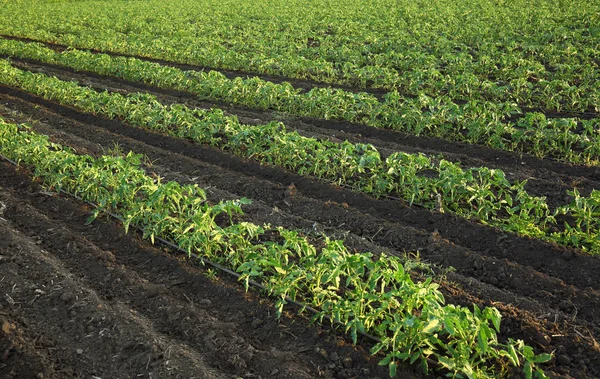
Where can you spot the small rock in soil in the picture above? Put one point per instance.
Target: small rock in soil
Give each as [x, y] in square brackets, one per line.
[204, 302]
[563, 360]
[322, 352]
[570, 291]
[334, 357]
[107, 256]
[347, 362]
[565, 306]
[542, 339]
[67, 297]
[155, 290]
[567, 255]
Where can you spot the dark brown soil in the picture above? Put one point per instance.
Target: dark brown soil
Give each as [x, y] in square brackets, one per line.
[540, 255]
[549, 295]
[83, 301]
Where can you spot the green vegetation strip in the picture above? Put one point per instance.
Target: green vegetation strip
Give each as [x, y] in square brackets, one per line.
[497, 51]
[478, 193]
[365, 293]
[479, 122]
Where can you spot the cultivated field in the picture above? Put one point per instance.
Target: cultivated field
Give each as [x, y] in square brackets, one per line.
[228, 189]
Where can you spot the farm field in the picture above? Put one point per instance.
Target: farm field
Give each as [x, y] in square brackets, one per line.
[227, 189]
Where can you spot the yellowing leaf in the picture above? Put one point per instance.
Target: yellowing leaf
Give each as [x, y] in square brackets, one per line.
[431, 326]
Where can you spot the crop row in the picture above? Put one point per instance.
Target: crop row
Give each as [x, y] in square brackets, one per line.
[541, 57]
[484, 123]
[478, 193]
[365, 293]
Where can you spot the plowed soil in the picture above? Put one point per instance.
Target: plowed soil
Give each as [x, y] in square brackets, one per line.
[89, 301]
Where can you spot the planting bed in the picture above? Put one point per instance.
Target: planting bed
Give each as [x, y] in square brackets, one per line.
[92, 301]
[84, 297]
[547, 294]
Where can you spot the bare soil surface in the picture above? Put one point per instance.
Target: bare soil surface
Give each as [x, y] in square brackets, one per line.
[90, 301]
[186, 325]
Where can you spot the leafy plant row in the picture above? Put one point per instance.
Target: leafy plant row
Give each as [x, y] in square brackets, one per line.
[478, 122]
[542, 57]
[478, 193]
[365, 293]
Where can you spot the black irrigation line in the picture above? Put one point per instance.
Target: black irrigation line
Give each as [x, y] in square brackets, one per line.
[204, 260]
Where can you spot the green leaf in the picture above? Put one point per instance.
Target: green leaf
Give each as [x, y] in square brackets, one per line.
[91, 219]
[512, 355]
[126, 225]
[393, 368]
[482, 337]
[527, 370]
[386, 360]
[354, 335]
[468, 370]
[446, 362]
[495, 317]
[449, 325]
[431, 326]
[539, 374]
[542, 358]
[415, 356]
[377, 348]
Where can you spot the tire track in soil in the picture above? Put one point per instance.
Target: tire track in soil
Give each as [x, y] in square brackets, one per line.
[545, 177]
[208, 324]
[474, 265]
